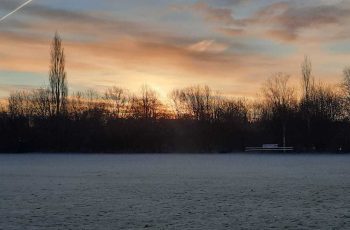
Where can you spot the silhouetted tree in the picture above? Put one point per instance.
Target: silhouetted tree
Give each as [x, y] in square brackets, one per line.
[201, 120]
[41, 102]
[119, 99]
[145, 106]
[280, 100]
[20, 104]
[197, 102]
[232, 111]
[308, 87]
[77, 106]
[57, 77]
[326, 103]
[346, 90]
[307, 78]
[177, 105]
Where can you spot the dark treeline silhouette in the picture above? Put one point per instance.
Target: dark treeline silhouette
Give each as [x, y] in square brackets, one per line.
[195, 119]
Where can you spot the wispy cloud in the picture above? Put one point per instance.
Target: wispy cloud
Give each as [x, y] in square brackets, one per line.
[290, 21]
[231, 45]
[208, 46]
[286, 21]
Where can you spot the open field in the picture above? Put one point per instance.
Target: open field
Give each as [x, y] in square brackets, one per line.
[238, 191]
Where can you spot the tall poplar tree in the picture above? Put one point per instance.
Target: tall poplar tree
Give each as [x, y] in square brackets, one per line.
[58, 77]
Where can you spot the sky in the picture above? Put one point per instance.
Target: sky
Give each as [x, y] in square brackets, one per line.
[233, 46]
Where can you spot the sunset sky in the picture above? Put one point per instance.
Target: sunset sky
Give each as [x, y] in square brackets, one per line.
[230, 45]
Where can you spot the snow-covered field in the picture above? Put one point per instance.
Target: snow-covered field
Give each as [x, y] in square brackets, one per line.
[174, 191]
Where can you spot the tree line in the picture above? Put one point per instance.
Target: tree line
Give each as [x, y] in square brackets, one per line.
[193, 119]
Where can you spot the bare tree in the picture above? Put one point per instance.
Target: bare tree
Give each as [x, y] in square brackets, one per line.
[176, 103]
[278, 93]
[19, 104]
[232, 111]
[92, 98]
[326, 103]
[308, 86]
[58, 77]
[76, 105]
[30, 103]
[280, 99]
[196, 101]
[149, 102]
[346, 80]
[145, 106]
[307, 79]
[346, 90]
[41, 102]
[119, 99]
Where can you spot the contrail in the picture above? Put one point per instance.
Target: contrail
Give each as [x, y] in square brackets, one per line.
[15, 10]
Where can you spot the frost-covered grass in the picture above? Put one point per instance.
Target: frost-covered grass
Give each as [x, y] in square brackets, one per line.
[174, 191]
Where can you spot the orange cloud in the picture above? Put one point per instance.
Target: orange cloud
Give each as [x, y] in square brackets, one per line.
[103, 51]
